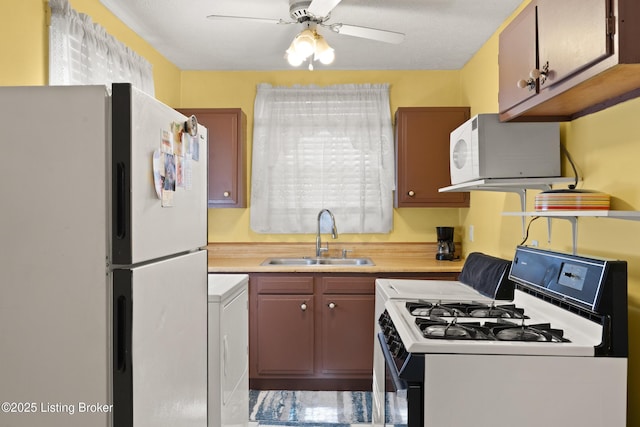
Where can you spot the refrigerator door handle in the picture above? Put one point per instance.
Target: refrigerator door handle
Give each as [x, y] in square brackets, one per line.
[120, 331]
[120, 201]
[122, 348]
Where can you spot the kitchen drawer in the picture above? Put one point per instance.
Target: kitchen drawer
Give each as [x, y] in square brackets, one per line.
[281, 284]
[347, 285]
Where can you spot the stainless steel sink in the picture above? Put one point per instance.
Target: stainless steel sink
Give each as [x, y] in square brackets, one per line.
[318, 261]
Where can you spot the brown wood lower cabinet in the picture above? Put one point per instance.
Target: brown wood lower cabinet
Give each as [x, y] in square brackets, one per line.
[314, 331]
[285, 335]
[346, 326]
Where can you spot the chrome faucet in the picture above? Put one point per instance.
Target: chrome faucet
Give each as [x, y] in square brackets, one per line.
[334, 232]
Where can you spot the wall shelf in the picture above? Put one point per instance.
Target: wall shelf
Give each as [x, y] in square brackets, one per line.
[572, 217]
[626, 215]
[514, 185]
[520, 187]
[511, 185]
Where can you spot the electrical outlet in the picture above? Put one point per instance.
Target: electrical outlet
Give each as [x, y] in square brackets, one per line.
[471, 232]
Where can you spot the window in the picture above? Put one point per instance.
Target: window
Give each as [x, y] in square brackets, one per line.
[82, 53]
[322, 148]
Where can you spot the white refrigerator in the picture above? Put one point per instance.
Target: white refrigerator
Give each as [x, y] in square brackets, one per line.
[103, 272]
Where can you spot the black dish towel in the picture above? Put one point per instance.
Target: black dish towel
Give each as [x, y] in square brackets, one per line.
[488, 275]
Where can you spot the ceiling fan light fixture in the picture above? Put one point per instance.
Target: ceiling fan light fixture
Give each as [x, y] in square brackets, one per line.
[293, 59]
[323, 53]
[305, 43]
[314, 14]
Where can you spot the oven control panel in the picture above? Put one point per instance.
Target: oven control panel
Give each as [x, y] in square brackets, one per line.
[573, 276]
[573, 279]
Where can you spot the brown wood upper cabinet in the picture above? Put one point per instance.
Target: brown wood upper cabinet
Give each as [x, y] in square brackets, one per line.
[227, 155]
[559, 60]
[422, 156]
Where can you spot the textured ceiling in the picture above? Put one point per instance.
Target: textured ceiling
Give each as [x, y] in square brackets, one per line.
[440, 34]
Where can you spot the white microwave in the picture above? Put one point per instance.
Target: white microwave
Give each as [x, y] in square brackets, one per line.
[483, 147]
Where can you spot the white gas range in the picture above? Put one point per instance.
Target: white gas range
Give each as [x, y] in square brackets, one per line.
[554, 354]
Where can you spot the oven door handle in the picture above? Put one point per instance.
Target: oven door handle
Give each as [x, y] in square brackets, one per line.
[399, 383]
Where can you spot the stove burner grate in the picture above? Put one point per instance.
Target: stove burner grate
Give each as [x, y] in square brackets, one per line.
[436, 309]
[506, 311]
[426, 309]
[542, 332]
[503, 330]
[434, 328]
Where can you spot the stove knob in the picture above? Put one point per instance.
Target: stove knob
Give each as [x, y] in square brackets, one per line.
[397, 352]
[402, 353]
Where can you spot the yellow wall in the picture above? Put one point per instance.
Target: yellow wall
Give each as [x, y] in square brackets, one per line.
[238, 89]
[24, 43]
[606, 148]
[25, 52]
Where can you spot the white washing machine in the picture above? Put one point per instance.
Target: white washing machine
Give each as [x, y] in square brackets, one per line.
[228, 360]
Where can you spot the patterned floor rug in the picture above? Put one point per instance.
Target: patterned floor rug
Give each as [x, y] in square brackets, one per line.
[314, 408]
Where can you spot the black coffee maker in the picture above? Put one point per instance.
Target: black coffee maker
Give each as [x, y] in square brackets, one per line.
[446, 248]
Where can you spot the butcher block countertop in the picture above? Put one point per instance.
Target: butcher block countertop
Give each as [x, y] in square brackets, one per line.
[387, 257]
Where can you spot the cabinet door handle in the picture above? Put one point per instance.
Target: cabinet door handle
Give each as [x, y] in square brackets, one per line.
[303, 306]
[529, 83]
[535, 74]
[331, 305]
[226, 194]
[411, 193]
[540, 74]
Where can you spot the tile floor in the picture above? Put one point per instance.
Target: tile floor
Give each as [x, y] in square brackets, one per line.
[316, 409]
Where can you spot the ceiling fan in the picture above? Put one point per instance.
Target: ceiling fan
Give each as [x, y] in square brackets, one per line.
[308, 43]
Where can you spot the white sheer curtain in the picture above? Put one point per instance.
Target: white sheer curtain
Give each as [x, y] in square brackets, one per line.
[322, 148]
[81, 52]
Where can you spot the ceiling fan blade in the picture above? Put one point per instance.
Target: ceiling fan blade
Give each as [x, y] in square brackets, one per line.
[250, 18]
[322, 8]
[368, 33]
